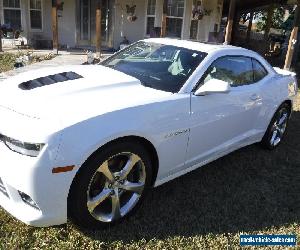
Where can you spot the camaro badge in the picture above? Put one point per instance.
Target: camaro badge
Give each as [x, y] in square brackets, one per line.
[177, 133]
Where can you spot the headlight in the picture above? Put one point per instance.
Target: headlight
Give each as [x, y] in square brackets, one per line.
[24, 148]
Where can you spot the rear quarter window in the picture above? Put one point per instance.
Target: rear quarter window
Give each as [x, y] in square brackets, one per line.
[259, 71]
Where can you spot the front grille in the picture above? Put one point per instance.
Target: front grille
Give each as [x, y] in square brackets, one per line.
[2, 188]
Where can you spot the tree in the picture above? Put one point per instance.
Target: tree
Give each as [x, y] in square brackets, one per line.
[288, 23]
[277, 19]
[245, 17]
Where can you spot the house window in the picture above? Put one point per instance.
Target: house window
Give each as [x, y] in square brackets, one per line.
[12, 14]
[175, 18]
[36, 14]
[150, 16]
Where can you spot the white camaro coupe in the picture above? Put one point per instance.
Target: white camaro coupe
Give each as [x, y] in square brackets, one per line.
[87, 142]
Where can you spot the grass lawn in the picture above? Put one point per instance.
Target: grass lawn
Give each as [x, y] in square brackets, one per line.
[8, 60]
[249, 191]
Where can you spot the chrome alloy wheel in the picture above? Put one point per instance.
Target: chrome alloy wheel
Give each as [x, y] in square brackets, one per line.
[279, 127]
[116, 187]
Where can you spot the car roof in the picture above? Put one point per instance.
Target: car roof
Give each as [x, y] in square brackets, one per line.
[194, 45]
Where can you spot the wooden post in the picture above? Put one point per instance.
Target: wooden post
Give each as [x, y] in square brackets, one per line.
[293, 38]
[249, 27]
[0, 38]
[268, 26]
[0, 35]
[55, 26]
[98, 28]
[230, 21]
[164, 19]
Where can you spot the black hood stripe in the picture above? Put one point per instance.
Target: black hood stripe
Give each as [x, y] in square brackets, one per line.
[49, 80]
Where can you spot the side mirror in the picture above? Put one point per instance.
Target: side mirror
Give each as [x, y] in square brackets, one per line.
[213, 86]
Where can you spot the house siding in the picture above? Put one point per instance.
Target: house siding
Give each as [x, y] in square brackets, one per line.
[134, 31]
[207, 24]
[67, 24]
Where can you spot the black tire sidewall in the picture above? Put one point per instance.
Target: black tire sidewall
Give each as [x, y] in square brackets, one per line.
[77, 202]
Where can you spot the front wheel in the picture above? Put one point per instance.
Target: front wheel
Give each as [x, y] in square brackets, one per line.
[277, 128]
[110, 186]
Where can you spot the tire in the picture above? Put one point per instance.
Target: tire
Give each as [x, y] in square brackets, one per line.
[116, 174]
[277, 127]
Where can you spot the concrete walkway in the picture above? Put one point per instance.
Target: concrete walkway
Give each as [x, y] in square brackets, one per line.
[62, 59]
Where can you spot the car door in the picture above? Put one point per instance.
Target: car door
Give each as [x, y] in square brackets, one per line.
[266, 83]
[221, 122]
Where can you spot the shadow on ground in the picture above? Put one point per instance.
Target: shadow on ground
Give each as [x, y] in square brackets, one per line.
[248, 190]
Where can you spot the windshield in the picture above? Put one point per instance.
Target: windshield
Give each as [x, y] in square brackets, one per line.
[158, 66]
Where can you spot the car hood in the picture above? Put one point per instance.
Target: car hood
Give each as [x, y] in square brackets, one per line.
[97, 90]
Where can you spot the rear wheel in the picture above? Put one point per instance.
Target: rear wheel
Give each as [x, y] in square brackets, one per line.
[110, 186]
[277, 128]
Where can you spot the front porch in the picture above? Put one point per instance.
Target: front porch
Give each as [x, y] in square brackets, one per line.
[103, 24]
[70, 24]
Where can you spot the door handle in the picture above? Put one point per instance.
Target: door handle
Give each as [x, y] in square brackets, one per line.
[254, 97]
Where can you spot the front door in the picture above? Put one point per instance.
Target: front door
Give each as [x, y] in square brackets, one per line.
[86, 23]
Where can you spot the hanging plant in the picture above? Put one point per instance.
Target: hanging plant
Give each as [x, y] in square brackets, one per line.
[60, 8]
[131, 17]
[198, 11]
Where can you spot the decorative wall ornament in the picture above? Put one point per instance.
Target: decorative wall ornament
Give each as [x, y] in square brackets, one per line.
[130, 10]
[60, 6]
[198, 11]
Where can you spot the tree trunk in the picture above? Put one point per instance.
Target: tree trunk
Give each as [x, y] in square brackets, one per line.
[268, 26]
[249, 27]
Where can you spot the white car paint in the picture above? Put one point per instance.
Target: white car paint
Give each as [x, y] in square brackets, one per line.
[76, 118]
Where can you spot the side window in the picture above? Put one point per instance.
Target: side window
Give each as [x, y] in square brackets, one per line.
[259, 71]
[236, 70]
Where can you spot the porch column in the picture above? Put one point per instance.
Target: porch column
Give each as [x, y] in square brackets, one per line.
[55, 26]
[268, 25]
[0, 37]
[293, 38]
[249, 27]
[1, 41]
[230, 21]
[24, 16]
[186, 29]
[0, 27]
[98, 28]
[164, 19]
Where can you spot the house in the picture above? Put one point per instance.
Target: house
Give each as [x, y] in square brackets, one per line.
[73, 23]
[77, 20]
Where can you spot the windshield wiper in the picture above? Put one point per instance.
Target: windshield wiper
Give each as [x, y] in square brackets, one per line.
[110, 66]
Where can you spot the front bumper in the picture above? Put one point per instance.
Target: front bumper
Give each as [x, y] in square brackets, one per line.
[33, 176]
